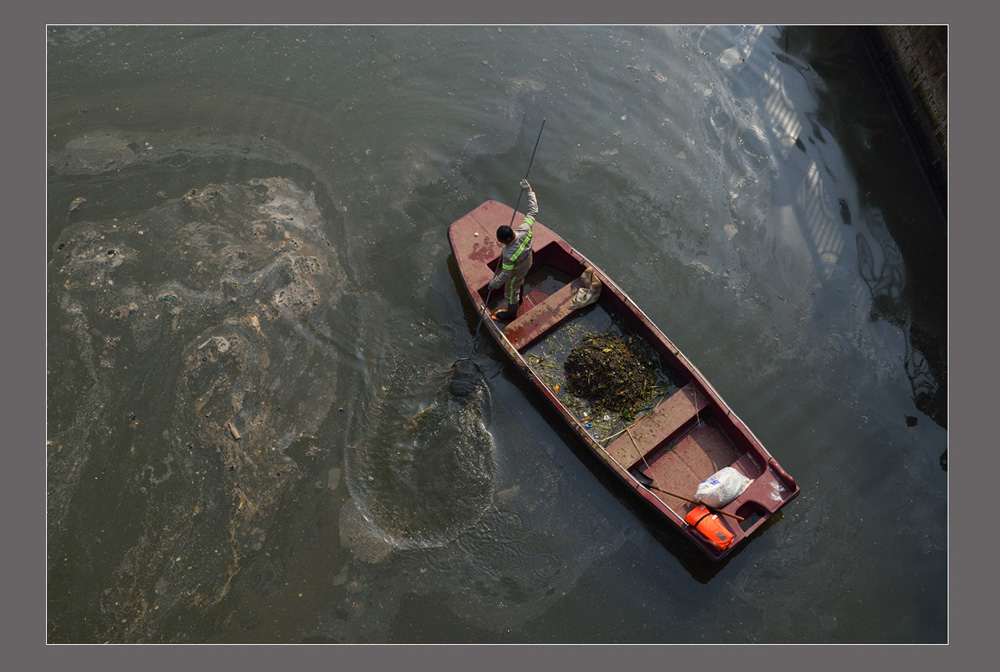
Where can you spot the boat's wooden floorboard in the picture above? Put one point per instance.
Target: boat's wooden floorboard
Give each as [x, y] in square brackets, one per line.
[698, 455]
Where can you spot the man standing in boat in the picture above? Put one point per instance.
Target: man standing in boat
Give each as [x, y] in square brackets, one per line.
[515, 260]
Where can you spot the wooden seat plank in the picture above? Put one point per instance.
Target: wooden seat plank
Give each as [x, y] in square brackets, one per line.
[542, 318]
[651, 430]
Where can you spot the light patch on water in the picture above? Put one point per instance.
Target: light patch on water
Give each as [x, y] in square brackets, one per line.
[96, 153]
[701, 266]
[167, 471]
[730, 57]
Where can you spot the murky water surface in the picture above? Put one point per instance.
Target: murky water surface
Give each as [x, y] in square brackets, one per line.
[260, 426]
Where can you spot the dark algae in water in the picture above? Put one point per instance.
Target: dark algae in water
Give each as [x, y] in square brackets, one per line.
[608, 371]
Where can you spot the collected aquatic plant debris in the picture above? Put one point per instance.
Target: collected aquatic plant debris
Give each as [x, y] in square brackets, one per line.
[606, 370]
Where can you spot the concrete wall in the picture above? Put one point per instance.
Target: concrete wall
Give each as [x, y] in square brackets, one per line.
[912, 62]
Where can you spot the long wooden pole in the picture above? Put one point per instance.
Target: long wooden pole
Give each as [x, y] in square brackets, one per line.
[694, 501]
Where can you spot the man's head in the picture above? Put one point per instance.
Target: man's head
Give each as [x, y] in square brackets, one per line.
[505, 234]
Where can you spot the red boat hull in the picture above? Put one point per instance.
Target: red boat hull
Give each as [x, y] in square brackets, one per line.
[665, 453]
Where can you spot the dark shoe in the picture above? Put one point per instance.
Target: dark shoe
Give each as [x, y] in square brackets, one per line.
[504, 315]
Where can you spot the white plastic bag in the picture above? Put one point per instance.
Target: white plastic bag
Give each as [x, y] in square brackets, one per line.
[722, 487]
[587, 294]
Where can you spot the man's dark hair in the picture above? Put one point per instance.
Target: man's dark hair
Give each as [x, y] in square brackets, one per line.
[505, 234]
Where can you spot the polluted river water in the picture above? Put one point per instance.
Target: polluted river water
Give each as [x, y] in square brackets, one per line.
[257, 431]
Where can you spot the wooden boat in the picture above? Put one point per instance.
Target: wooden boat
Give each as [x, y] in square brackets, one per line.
[662, 452]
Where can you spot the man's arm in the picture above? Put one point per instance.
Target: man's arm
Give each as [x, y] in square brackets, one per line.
[502, 276]
[532, 201]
